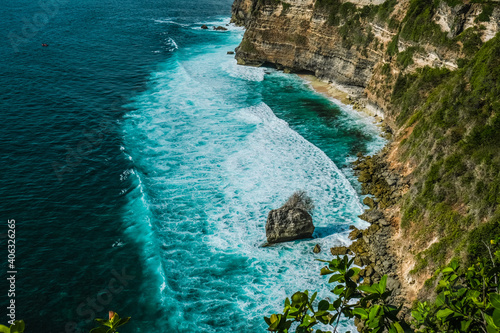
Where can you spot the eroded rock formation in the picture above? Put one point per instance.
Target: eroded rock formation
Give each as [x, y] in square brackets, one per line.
[287, 224]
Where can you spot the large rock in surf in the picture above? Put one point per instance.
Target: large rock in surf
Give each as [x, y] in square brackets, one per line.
[292, 221]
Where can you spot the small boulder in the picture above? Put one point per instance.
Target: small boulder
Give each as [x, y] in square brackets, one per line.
[369, 202]
[230, 52]
[364, 176]
[221, 28]
[384, 222]
[340, 250]
[391, 181]
[355, 233]
[365, 260]
[393, 284]
[359, 246]
[317, 249]
[372, 215]
[360, 324]
[358, 261]
[368, 271]
[204, 27]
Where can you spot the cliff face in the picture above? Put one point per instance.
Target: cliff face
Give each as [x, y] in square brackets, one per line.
[297, 37]
[349, 42]
[433, 68]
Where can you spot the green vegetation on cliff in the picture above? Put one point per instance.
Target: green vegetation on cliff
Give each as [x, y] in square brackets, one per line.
[455, 145]
[418, 27]
[339, 10]
[350, 19]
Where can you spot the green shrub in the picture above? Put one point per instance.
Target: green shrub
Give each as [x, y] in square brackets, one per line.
[453, 3]
[405, 58]
[455, 144]
[372, 304]
[17, 327]
[111, 325]
[386, 69]
[466, 301]
[486, 13]
[392, 47]
[385, 9]
[471, 42]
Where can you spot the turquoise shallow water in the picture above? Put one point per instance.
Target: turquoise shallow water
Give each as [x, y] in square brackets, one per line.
[139, 158]
[212, 159]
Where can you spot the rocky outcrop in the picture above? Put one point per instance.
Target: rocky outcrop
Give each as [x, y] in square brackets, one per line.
[454, 20]
[242, 12]
[340, 251]
[373, 247]
[378, 180]
[287, 224]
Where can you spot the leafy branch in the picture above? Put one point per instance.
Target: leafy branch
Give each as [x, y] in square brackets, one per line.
[467, 301]
[371, 306]
[111, 325]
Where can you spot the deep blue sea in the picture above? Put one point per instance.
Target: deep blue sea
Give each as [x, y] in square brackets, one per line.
[139, 162]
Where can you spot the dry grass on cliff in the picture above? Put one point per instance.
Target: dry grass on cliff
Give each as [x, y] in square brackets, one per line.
[300, 200]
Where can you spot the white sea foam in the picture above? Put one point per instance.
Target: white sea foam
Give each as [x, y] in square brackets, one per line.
[171, 45]
[170, 21]
[242, 72]
[211, 162]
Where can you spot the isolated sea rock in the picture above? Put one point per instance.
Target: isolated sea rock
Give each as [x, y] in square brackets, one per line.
[287, 224]
[230, 52]
[220, 28]
[317, 249]
[204, 27]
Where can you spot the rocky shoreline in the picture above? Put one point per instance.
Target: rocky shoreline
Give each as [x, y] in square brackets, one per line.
[374, 248]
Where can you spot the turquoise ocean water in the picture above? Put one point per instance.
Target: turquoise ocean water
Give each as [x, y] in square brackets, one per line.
[140, 163]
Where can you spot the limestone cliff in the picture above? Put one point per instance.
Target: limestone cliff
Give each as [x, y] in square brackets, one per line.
[297, 37]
